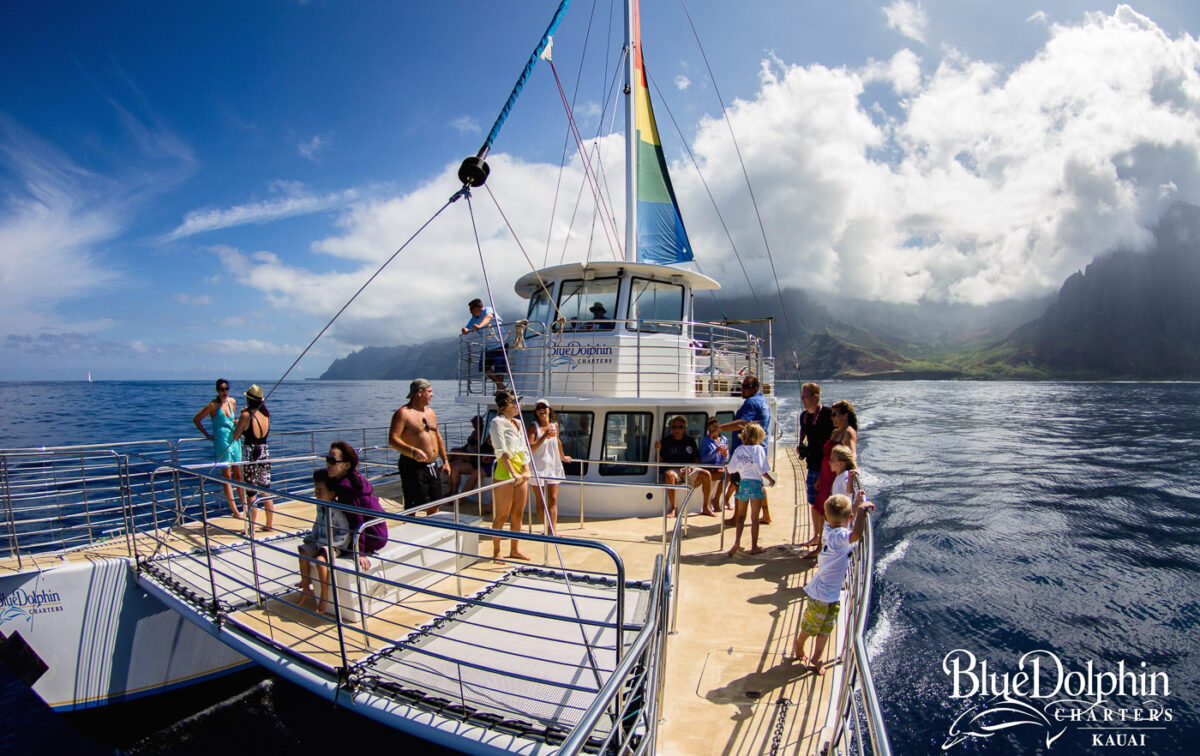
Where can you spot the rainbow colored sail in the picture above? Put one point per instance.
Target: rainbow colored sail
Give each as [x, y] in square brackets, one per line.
[661, 237]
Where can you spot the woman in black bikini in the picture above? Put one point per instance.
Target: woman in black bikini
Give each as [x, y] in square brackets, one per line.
[253, 426]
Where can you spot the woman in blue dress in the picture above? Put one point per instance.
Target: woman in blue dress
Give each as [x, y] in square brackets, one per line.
[226, 447]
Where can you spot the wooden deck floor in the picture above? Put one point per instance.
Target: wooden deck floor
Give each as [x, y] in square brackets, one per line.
[736, 619]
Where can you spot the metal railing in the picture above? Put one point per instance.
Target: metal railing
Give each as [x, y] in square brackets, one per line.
[432, 561]
[855, 724]
[629, 358]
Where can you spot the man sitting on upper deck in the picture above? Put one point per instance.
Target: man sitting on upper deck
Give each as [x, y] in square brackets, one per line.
[754, 409]
[682, 448]
[492, 361]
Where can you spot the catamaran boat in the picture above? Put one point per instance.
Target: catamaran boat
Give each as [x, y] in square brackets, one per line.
[626, 632]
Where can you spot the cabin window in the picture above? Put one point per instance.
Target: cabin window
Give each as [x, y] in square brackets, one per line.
[541, 312]
[589, 305]
[655, 306]
[575, 430]
[695, 423]
[626, 439]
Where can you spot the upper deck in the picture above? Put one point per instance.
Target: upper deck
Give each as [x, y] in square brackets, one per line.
[616, 330]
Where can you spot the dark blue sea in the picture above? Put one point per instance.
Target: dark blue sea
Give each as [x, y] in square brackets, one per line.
[1054, 520]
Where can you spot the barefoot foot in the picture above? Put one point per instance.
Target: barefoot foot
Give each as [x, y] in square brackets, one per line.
[517, 555]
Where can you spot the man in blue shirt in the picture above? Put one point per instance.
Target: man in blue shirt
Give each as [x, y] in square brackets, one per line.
[492, 360]
[754, 409]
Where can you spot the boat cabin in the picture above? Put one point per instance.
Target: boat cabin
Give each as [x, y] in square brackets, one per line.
[613, 330]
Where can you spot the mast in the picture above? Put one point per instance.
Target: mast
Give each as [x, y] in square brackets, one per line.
[632, 53]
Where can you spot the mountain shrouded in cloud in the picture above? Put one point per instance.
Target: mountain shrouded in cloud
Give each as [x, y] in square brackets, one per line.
[906, 165]
[906, 180]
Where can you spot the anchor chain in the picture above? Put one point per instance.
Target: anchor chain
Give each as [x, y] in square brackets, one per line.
[780, 718]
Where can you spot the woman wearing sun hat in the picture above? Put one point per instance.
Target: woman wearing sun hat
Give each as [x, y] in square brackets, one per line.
[548, 458]
[252, 427]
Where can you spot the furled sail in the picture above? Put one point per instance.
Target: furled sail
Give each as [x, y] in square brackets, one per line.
[661, 237]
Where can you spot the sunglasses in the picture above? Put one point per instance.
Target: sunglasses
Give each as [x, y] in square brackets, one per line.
[678, 427]
[332, 460]
[222, 388]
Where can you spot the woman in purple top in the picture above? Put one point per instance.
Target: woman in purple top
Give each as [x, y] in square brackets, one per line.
[352, 489]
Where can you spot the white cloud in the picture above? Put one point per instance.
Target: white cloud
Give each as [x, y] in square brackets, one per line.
[1039, 17]
[296, 201]
[983, 185]
[250, 346]
[313, 147]
[54, 216]
[192, 299]
[682, 82]
[902, 71]
[466, 125]
[908, 18]
[978, 185]
[423, 293]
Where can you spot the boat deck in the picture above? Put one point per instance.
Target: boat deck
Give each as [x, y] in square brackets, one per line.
[725, 677]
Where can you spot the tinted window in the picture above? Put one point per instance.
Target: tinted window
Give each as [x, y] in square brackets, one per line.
[695, 423]
[541, 311]
[575, 430]
[654, 301]
[589, 305]
[626, 439]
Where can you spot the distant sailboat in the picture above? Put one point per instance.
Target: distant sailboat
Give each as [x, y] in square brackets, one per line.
[89, 376]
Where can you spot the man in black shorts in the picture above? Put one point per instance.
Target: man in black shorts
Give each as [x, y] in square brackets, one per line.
[680, 448]
[414, 433]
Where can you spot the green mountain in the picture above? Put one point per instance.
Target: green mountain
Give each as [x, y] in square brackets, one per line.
[1130, 314]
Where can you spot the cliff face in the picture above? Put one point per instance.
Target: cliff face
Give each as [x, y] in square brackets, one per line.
[1127, 315]
[433, 359]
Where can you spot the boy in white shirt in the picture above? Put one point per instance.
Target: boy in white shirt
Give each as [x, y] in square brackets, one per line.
[825, 589]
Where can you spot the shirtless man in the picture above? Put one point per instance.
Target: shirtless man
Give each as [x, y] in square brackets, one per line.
[414, 433]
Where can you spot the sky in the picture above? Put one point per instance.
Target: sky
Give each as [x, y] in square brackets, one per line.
[194, 191]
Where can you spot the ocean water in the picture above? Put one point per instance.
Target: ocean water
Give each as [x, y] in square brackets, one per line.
[1013, 518]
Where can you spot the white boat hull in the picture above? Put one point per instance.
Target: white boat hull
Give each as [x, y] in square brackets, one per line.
[103, 638]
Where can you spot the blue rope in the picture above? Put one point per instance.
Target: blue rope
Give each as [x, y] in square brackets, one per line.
[533, 59]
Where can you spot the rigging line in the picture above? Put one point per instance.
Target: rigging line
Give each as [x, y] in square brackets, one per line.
[787, 321]
[349, 301]
[728, 234]
[587, 37]
[599, 161]
[593, 181]
[487, 282]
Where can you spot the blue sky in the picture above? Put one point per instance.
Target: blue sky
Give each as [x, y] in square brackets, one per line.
[187, 192]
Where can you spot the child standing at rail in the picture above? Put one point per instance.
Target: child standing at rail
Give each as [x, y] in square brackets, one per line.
[750, 462]
[824, 591]
[845, 467]
[315, 548]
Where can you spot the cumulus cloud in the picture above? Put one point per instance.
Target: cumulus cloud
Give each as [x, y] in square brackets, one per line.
[296, 200]
[423, 293]
[908, 18]
[977, 185]
[682, 82]
[982, 185]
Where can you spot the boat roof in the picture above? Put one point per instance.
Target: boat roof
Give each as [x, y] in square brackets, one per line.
[528, 283]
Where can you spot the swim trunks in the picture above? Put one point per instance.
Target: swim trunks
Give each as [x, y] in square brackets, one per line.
[419, 480]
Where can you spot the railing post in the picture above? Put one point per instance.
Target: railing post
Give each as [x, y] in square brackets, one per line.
[13, 548]
[87, 512]
[333, 586]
